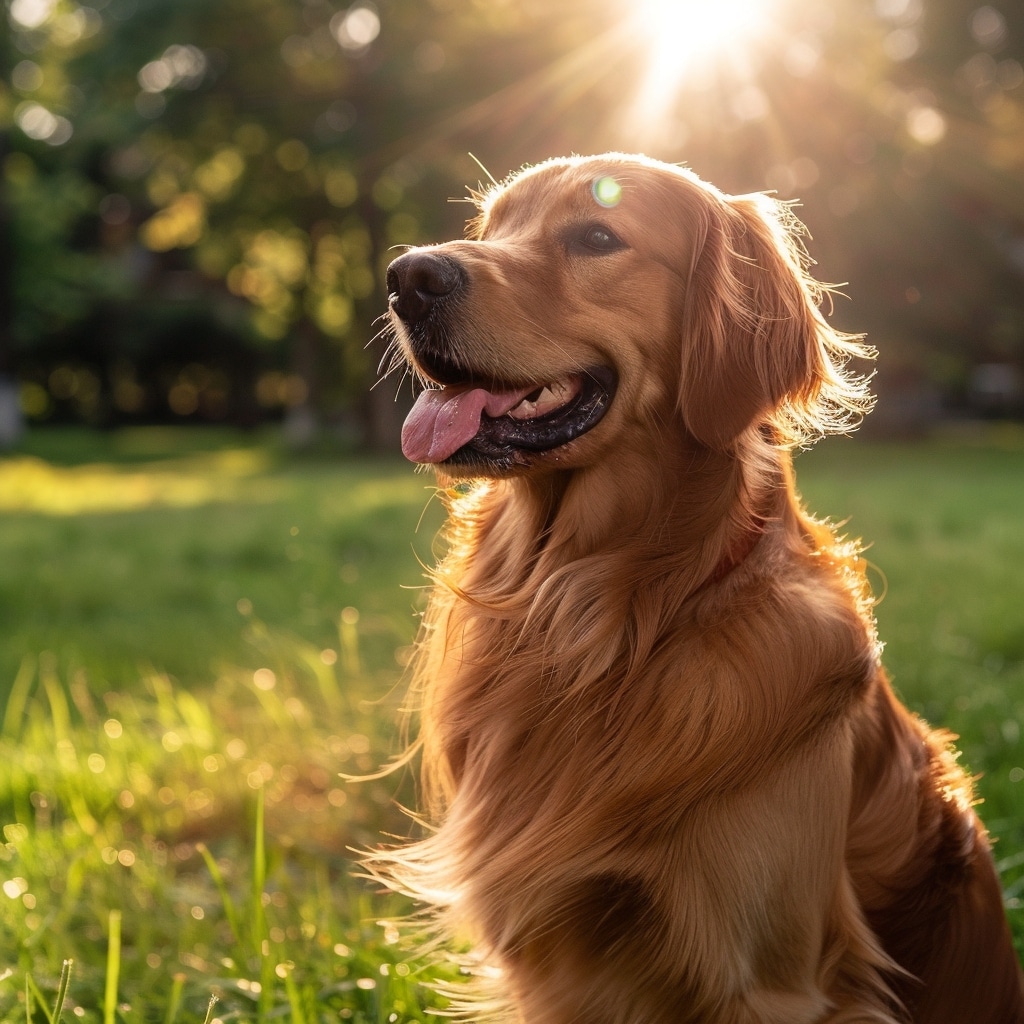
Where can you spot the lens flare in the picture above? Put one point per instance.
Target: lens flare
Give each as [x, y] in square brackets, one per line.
[607, 191]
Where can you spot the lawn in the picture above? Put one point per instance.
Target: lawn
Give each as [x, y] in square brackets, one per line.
[155, 548]
[199, 633]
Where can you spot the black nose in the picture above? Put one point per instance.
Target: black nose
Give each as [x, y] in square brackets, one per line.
[418, 279]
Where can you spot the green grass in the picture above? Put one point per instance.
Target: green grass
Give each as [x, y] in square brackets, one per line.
[945, 529]
[198, 633]
[211, 833]
[156, 548]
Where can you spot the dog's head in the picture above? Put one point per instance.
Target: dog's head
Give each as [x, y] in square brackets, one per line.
[602, 294]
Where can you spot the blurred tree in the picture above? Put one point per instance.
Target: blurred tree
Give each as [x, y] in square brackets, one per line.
[11, 422]
[260, 156]
[203, 196]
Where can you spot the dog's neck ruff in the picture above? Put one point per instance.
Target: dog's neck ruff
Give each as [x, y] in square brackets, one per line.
[736, 555]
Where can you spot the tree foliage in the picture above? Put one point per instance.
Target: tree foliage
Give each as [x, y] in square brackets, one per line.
[203, 196]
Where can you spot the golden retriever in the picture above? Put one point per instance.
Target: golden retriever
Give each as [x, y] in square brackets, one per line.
[666, 777]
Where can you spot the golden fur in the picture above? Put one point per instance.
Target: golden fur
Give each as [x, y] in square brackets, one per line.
[666, 777]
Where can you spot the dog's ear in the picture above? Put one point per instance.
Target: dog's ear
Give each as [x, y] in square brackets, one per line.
[756, 348]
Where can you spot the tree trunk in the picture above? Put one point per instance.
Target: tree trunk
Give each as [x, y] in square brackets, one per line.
[384, 403]
[385, 411]
[11, 422]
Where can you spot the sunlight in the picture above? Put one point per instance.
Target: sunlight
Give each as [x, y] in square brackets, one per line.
[28, 484]
[689, 38]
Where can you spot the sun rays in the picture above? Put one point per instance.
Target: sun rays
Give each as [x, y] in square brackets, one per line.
[686, 40]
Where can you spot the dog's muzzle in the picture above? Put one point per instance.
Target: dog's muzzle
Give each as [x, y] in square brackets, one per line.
[472, 419]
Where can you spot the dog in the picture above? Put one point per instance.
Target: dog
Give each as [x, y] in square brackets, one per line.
[665, 776]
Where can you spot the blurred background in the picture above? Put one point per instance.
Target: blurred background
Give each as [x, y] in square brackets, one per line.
[197, 199]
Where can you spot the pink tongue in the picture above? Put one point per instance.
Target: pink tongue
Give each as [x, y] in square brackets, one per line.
[441, 422]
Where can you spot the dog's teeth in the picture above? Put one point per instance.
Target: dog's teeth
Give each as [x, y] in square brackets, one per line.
[544, 399]
[536, 403]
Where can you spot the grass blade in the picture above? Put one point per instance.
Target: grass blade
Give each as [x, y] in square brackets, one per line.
[174, 1000]
[37, 997]
[113, 966]
[209, 1010]
[62, 991]
[298, 1015]
[18, 698]
[259, 857]
[225, 897]
[261, 932]
[348, 636]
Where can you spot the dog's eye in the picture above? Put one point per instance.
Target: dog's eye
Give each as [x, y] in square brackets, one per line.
[596, 238]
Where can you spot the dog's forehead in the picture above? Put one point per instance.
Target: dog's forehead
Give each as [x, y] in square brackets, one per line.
[555, 187]
[546, 191]
[590, 189]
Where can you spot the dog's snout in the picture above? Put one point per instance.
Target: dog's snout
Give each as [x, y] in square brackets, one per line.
[417, 280]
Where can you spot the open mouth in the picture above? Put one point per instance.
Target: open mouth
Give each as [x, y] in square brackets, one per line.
[464, 424]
